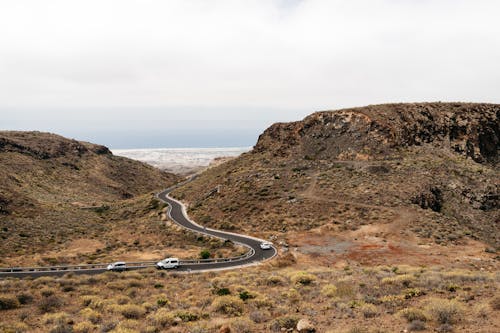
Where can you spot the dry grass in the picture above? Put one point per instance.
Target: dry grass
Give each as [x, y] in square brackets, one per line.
[259, 299]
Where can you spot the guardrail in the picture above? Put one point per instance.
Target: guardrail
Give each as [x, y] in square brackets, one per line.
[139, 264]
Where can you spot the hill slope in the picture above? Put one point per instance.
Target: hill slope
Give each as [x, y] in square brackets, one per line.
[406, 173]
[55, 190]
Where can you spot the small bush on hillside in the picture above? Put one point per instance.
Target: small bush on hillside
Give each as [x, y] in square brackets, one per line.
[275, 280]
[495, 303]
[93, 302]
[369, 310]
[162, 318]
[50, 303]
[222, 291]
[416, 325]
[228, 305]
[187, 316]
[84, 327]
[285, 322]
[162, 300]
[8, 302]
[245, 294]
[329, 290]
[412, 314]
[24, 298]
[303, 278]
[93, 316]
[204, 254]
[444, 311]
[132, 311]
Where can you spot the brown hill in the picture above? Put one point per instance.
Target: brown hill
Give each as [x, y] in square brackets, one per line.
[406, 173]
[67, 201]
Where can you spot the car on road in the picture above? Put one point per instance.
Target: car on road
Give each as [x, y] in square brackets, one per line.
[266, 245]
[117, 266]
[168, 263]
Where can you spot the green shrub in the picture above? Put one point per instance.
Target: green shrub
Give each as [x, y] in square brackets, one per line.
[162, 301]
[222, 291]
[244, 295]
[8, 302]
[204, 254]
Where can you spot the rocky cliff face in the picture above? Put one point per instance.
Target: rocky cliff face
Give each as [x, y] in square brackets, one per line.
[374, 132]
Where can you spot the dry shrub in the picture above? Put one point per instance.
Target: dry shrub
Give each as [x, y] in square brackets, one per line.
[284, 323]
[329, 290]
[93, 316]
[275, 280]
[416, 325]
[495, 303]
[284, 260]
[55, 318]
[8, 302]
[131, 311]
[243, 325]
[412, 314]
[84, 327]
[303, 278]
[369, 310]
[404, 280]
[24, 298]
[16, 327]
[50, 303]
[444, 311]
[162, 318]
[228, 305]
[345, 289]
[93, 302]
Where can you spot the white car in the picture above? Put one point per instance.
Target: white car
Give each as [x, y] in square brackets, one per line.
[117, 266]
[266, 245]
[168, 263]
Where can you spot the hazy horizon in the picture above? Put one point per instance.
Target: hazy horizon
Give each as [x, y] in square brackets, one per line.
[185, 73]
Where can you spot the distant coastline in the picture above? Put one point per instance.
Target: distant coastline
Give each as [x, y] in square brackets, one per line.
[180, 160]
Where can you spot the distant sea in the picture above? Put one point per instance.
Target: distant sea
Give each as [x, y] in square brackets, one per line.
[180, 160]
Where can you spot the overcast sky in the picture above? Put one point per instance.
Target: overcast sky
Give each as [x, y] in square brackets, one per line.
[165, 73]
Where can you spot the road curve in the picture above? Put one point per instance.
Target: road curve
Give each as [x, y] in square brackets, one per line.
[177, 213]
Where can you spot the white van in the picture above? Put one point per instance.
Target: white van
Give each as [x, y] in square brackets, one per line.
[168, 263]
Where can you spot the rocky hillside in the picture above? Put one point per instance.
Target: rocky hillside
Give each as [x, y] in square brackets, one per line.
[374, 132]
[55, 190]
[426, 170]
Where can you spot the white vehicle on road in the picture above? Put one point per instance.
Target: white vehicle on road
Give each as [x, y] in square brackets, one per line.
[266, 245]
[117, 266]
[168, 263]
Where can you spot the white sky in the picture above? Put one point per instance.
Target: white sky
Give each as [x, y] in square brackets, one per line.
[80, 67]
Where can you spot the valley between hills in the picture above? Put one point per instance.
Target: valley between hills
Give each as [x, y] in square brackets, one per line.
[385, 218]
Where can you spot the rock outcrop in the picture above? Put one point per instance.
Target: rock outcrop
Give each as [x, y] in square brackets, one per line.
[375, 131]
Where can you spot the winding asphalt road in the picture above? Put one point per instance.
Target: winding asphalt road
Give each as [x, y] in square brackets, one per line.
[177, 213]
